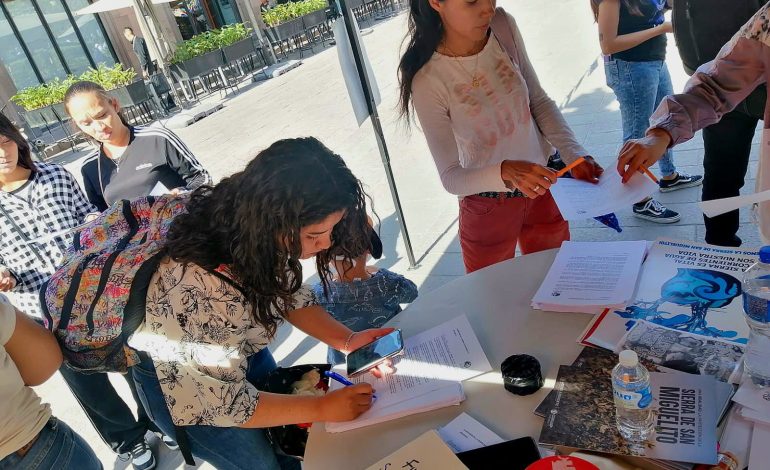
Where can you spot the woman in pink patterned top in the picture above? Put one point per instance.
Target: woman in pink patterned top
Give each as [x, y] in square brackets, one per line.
[490, 127]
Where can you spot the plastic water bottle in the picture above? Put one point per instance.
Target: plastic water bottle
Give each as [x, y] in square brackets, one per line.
[756, 307]
[633, 397]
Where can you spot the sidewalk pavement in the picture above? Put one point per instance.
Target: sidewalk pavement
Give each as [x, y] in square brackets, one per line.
[312, 100]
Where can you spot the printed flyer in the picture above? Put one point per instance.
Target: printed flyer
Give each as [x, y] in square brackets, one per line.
[684, 286]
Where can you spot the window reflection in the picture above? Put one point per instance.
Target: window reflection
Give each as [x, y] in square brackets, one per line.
[13, 58]
[36, 39]
[65, 36]
[92, 33]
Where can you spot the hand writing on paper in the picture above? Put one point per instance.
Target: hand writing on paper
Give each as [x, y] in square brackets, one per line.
[530, 178]
[346, 403]
[362, 338]
[589, 170]
[638, 154]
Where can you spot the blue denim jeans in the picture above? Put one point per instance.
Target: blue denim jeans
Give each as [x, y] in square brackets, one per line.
[640, 87]
[57, 447]
[224, 448]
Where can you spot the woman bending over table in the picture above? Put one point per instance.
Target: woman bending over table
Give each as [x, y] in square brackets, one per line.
[231, 276]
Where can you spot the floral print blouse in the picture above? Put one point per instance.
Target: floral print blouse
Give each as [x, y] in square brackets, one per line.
[199, 332]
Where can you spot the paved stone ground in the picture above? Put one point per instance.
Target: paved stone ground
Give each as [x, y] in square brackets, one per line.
[312, 100]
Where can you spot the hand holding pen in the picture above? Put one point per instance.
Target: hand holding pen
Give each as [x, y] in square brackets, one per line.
[348, 402]
[344, 381]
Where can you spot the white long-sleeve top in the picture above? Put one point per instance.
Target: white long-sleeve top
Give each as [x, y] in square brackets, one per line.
[471, 131]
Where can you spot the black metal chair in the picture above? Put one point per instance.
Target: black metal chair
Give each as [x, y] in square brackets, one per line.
[317, 27]
[289, 34]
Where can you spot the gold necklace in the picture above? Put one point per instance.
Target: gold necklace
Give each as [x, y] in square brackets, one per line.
[475, 82]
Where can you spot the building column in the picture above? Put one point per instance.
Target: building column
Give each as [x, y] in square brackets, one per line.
[258, 25]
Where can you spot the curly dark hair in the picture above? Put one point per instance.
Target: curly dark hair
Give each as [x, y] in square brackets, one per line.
[251, 222]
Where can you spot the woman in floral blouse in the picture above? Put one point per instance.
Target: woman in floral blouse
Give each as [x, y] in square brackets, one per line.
[232, 275]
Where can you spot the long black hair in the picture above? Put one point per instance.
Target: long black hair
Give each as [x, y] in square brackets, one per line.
[251, 222]
[633, 6]
[12, 132]
[424, 35]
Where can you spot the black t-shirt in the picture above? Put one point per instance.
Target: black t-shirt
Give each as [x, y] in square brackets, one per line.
[154, 155]
[652, 15]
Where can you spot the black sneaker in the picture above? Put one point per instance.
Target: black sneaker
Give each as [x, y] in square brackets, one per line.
[654, 211]
[682, 180]
[170, 443]
[141, 456]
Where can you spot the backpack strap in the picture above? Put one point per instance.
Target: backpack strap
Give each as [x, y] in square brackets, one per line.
[184, 444]
[220, 273]
[502, 30]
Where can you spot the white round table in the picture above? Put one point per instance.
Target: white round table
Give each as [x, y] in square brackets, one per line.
[496, 301]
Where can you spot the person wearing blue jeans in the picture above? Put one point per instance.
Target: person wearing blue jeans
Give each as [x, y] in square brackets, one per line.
[230, 275]
[632, 35]
[31, 438]
[224, 448]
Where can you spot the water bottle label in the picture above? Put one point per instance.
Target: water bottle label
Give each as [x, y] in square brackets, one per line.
[757, 308]
[633, 400]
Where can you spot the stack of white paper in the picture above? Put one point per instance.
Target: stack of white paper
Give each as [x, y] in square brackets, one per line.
[755, 401]
[588, 277]
[427, 376]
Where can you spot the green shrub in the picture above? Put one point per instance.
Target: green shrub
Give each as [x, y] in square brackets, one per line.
[109, 77]
[209, 41]
[39, 96]
[288, 11]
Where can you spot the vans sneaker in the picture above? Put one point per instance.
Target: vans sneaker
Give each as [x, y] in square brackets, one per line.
[682, 180]
[654, 211]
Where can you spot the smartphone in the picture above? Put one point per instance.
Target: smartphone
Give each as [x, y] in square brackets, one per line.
[517, 455]
[374, 353]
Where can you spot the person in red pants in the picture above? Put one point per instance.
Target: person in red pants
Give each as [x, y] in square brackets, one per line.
[490, 127]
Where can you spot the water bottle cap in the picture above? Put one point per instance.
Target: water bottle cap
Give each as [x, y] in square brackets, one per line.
[628, 358]
[764, 254]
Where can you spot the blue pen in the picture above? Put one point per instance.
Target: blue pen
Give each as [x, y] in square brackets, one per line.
[335, 376]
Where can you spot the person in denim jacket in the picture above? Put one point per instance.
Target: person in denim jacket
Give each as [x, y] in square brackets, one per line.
[362, 297]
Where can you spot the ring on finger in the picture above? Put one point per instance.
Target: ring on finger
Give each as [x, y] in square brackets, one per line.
[536, 188]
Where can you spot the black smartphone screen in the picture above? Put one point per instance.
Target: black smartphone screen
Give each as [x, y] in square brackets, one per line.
[512, 455]
[375, 352]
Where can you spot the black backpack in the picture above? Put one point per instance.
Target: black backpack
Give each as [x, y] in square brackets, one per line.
[702, 27]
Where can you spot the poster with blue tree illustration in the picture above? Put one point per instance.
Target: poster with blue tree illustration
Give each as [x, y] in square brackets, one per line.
[685, 286]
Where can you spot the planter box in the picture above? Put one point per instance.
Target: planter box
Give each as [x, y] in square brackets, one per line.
[132, 94]
[196, 66]
[314, 19]
[41, 117]
[238, 50]
[288, 29]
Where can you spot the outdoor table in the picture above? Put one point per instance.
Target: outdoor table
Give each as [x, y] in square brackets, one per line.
[496, 301]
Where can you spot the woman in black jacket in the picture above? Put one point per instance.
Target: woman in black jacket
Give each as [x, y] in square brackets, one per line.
[130, 161]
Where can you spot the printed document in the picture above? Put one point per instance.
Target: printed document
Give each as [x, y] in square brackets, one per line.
[465, 433]
[427, 376]
[445, 354]
[578, 200]
[591, 276]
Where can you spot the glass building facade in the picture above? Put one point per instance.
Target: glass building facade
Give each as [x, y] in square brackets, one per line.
[41, 40]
